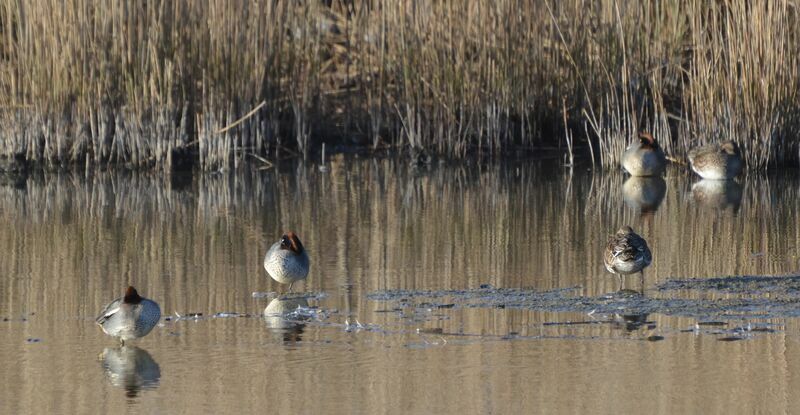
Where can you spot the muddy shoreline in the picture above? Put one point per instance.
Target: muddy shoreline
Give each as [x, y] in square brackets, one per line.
[738, 297]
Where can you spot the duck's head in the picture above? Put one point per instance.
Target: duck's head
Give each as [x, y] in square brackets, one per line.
[291, 242]
[131, 296]
[730, 147]
[625, 230]
[647, 140]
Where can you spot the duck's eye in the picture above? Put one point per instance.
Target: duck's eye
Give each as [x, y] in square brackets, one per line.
[285, 241]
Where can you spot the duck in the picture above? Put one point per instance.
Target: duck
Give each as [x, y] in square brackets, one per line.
[287, 261]
[129, 317]
[720, 161]
[627, 253]
[644, 158]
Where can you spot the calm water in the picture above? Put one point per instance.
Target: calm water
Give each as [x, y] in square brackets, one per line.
[70, 244]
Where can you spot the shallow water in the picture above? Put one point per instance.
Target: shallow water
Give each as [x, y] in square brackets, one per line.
[476, 288]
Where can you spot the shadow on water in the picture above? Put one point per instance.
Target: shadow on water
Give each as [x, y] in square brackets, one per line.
[130, 368]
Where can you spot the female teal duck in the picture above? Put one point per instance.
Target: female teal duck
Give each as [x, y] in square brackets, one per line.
[287, 260]
[129, 317]
[627, 253]
[644, 158]
[716, 161]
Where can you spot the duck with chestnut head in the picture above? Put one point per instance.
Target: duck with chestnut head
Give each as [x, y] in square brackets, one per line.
[287, 261]
[645, 157]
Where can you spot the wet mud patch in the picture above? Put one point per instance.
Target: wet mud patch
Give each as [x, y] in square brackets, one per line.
[755, 306]
[783, 286]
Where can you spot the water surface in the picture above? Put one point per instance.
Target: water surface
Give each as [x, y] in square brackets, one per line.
[396, 252]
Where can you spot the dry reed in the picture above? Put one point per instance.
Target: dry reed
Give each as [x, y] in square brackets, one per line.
[152, 84]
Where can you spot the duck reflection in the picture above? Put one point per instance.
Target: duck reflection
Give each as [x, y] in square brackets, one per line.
[644, 193]
[631, 322]
[719, 194]
[130, 368]
[282, 319]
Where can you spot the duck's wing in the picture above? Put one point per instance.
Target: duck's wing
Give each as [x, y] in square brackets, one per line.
[707, 155]
[622, 250]
[639, 248]
[109, 311]
[271, 251]
[699, 155]
[628, 248]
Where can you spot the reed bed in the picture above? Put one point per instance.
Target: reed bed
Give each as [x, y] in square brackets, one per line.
[215, 83]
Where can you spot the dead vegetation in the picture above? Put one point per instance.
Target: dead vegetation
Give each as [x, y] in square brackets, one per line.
[156, 84]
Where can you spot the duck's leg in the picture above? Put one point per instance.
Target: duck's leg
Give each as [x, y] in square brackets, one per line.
[619, 280]
[290, 286]
[122, 342]
[641, 281]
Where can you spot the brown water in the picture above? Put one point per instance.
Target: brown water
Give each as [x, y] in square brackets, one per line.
[70, 244]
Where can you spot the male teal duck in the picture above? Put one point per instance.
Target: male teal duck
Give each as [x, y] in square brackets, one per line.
[129, 317]
[287, 261]
[644, 158]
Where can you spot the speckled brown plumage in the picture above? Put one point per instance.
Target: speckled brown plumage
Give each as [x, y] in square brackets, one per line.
[626, 252]
[718, 161]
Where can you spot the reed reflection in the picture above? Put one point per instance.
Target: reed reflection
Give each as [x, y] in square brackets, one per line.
[12, 180]
[372, 224]
[130, 368]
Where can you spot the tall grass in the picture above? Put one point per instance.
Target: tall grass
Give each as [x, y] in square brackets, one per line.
[157, 83]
